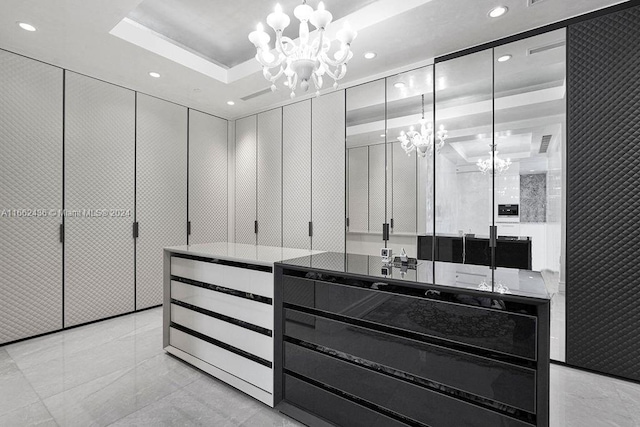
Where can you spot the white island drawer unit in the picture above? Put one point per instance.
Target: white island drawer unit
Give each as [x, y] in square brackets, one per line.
[218, 311]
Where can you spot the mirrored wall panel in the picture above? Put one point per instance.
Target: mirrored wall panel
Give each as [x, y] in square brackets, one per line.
[464, 166]
[366, 174]
[410, 142]
[530, 117]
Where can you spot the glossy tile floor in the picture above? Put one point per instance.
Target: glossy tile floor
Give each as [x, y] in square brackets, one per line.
[116, 373]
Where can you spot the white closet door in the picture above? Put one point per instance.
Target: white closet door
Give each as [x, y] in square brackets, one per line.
[358, 189]
[296, 175]
[404, 194]
[207, 178]
[328, 172]
[270, 178]
[161, 186]
[99, 175]
[377, 196]
[30, 178]
[245, 209]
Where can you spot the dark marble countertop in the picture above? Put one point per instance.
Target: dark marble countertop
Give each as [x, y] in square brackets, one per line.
[508, 281]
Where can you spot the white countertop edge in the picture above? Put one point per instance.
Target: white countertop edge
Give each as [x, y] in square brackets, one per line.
[240, 252]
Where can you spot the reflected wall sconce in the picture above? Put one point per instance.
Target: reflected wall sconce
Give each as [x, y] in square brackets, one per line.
[422, 142]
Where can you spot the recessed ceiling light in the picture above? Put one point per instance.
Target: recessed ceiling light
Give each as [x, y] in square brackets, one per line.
[370, 55]
[504, 58]
[154, 74]
[231, 103]
[399, 85]
[498, 11]
[27, 27]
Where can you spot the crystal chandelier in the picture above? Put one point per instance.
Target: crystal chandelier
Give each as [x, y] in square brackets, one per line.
[308, 59]
[422, 142]
[486, 166]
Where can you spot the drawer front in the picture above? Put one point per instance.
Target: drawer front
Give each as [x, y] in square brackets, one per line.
[403, 397]
[241, 367]
[509, 333]
[252, 342]
[253, 312]
[241, 279]
[490, 379]
[331, 407]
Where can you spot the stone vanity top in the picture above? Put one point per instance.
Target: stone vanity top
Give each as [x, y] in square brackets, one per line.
[249, 254]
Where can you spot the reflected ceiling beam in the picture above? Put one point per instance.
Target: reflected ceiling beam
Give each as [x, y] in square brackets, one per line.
[475, 108]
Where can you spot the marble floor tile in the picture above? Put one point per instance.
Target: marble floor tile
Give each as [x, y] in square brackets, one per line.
[64, 344]
[15, 392]
[35, 414]
[105, 400]
[67, 372]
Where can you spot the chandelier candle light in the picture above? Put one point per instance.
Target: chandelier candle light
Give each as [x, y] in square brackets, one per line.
[486, 166]
[306, 60]
[423, 142]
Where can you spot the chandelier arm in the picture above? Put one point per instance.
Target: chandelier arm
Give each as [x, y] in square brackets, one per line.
[320, 42]
[275, 63]
[339, 61]
[281, 43]
[277, 76]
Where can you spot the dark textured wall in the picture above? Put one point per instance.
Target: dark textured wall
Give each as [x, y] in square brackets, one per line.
[533, 197]
[603, 235]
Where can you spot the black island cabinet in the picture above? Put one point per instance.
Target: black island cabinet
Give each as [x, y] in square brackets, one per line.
[362, 344]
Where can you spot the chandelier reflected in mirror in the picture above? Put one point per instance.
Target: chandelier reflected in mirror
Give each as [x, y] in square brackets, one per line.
[422, 142]
[486, 166]
[305, 61]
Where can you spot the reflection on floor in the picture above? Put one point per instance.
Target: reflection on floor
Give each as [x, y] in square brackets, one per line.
[116, 373]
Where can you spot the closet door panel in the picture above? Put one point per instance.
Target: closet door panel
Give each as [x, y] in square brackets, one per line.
[269, 163]
[161, 186]
[99, 176]
[207, 178]
[30, 178]
[328, 172]
[377, 195]
[358, 189]
[404, 196]
[245, 209]
[296, 175]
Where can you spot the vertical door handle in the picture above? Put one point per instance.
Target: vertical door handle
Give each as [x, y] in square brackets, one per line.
[385, 231]
[392, 223]
[310, 229]
[188, 228]
[61, 233]
[347, 221]
[255, 227]
[136, 230]
[493, 232]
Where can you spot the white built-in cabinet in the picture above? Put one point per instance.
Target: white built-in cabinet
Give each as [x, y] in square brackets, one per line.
[85, 167]
[207, 178]
[290, 175]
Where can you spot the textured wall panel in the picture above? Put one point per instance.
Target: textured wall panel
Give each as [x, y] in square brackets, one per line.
[245, 208]
[99, 174]
[161, 179]
[404, 190]
[603, 237]
[328, 172]
[269, 163]
[207, 178]
[296, 175]
[358, 189]
[377, 194]
[30, 178]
